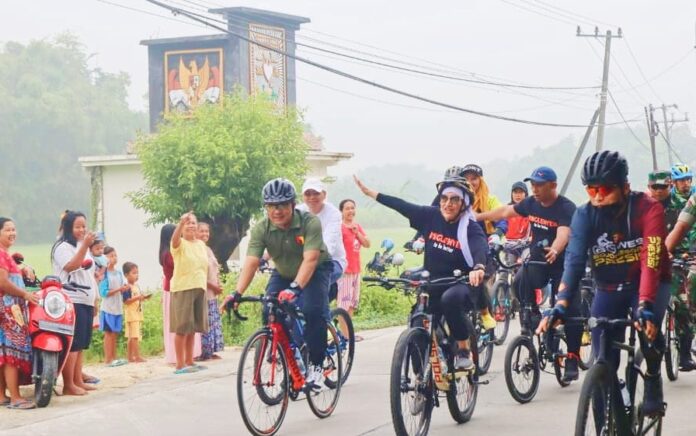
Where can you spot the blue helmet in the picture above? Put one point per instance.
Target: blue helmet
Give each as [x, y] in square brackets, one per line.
[681, 171]
[387, 244]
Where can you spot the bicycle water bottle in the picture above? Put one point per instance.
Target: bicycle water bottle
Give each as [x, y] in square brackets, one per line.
[299, 360]
[624, 393]
[443, 359]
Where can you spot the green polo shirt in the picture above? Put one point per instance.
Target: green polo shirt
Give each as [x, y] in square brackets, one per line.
[287, 247]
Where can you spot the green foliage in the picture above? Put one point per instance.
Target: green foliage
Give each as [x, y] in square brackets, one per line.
[55, 108]
[216, 160]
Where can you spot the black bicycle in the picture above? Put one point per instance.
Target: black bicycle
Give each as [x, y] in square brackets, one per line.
[506, 257]
[679, 316]
[609, 405]
[423, 362]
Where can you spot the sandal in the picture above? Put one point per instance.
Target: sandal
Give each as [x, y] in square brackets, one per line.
[5, 402]
[117, 362]
[199, 367]
[359, 338]
[186, 370]
[22, 405]
[91, 380]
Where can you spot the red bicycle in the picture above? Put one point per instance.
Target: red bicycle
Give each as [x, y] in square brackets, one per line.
[272, 368]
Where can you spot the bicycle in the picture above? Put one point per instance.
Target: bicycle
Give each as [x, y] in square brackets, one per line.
[607, 404]
[679, 316]
[526, 357]
[505, 256]
[423, 362]
[272, 365]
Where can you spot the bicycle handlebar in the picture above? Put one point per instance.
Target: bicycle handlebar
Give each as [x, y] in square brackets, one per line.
[391, 282]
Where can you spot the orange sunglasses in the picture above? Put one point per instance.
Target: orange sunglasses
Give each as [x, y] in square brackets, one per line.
[602, 190]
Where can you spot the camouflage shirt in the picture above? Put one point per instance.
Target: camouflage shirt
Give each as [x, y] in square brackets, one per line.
[687, 215]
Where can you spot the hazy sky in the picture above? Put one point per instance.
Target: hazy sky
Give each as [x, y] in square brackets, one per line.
[487, 37]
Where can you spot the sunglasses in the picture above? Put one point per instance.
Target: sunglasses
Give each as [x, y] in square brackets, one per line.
[603, 190]
[279, 206]
[452, 200]
[658, 187]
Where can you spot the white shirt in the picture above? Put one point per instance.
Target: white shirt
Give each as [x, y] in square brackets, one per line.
[331, 220]
[63, 253]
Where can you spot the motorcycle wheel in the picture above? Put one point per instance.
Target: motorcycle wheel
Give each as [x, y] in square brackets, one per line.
[47, 373]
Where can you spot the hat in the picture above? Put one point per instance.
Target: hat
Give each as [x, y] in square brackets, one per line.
[472, 168]
[541, 175]
[313, 184]
[521, 186]
[660, 177]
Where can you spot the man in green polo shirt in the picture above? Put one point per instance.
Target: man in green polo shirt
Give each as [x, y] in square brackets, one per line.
[302, 266]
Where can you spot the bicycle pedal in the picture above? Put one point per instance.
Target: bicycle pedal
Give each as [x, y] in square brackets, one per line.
[482, 382]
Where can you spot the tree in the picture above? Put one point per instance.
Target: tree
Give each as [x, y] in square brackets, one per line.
[215, 161]
[54, 110]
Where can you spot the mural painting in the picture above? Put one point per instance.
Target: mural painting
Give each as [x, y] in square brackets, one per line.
[194, 77]
[268, 68]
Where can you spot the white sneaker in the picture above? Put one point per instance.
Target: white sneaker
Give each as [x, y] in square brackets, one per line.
[315, 378]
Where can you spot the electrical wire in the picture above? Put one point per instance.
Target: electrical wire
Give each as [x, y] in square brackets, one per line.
[640, 70]
[579, 17]
[626, 122]
[671, 147]
[533, 11]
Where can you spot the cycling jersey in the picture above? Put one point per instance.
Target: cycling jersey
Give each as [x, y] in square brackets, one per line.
[688, 216]
[626, 253]
[442, 249]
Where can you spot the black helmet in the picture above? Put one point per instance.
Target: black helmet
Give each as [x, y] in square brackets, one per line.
[473, 168]
[455, 171]
[278, 191]
[605, 167]
[457, 182]
[521, 186]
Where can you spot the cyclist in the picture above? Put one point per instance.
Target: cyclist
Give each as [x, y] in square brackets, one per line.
[518, 226]
[302, 266]
[623, 233]
[682, 177]
[453, 241]
[549, 216]
[659, 183]
[484, 201]
[314, 196]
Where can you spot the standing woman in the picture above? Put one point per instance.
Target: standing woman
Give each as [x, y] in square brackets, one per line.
[189, 308]
[67, 255]
[354, 239]
[15, 343]
[167, 263]
[212, 341]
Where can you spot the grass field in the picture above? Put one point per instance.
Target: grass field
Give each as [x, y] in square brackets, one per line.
[38, 256]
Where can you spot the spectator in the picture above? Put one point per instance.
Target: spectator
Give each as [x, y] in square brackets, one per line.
[354, 239]
[133, 314]
[212, 341]
[111, 290]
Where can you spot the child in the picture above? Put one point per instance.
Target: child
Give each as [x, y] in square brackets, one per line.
[133, 312]
[111, 313]
[100, 262]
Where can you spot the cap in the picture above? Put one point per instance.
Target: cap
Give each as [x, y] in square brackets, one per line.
[541, 175]
[313, 184]
[660, 177]
[473, 168]
[521, 186]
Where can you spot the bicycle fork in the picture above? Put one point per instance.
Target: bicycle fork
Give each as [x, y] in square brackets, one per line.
[280, 338]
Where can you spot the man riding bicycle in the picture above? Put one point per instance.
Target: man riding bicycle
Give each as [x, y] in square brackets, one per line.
[549, 217]
[659, 183]
[623, 232]
[302, 267]
[453, 241]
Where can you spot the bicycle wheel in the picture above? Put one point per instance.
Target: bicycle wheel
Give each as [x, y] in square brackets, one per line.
[672, 348]
[643, 425]
[561, 347]
[346, 339]
[522, 369]
[461, 398]
[485, 346]
[596, 414]
[262, 385]
[502, 306]
[323, 402]
[411, 388]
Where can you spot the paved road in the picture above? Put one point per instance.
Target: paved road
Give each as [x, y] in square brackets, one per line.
[205, 404]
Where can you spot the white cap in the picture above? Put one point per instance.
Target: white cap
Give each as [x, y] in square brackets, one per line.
[313, 184]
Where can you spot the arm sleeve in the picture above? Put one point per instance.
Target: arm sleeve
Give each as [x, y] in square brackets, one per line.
[478, 244]
[314, 239]
[575, 255]
[333, 237]
[256, 243]
[522, 208]
[416, 215]
[652, 251]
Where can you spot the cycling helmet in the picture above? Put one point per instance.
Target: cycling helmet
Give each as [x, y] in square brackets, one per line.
[457, 182]
[278, 191]
[454, 171]
[681, 171]
[473, 168]
[605, 168]
[387, 244]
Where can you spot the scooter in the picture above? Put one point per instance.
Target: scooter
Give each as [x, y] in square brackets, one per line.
[51, 327]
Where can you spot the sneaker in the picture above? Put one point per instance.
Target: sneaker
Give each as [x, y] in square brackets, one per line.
[462, 361]
[315, 378]
[571, 369]
[487, 321]
[653, 400]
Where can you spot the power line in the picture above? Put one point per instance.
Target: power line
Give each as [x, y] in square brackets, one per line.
[533, 11]
[663, 72]
[611, 96]
[360, 79]
[578, 16]
[147, 12]
[563, 15]
[669, 144]
[640, 70]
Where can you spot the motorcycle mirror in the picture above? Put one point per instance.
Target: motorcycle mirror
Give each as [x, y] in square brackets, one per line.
[87, 264]
[425, 275]
[18, 258]
[457, 273]
[398, 259]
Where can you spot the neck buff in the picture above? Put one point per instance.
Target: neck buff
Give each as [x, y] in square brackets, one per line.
[464, 219]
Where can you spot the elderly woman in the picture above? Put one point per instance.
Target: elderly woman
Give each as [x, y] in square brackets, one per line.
[188, 306]
[15, 343]
[67, 256]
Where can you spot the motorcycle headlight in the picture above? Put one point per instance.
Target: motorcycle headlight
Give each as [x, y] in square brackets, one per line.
[54, 304]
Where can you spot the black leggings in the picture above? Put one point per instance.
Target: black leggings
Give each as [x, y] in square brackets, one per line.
[454, 302]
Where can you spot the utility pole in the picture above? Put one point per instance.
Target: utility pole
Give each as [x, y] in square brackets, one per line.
[605, 79]
[652, 131]
[581, 150]
[668, 128]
